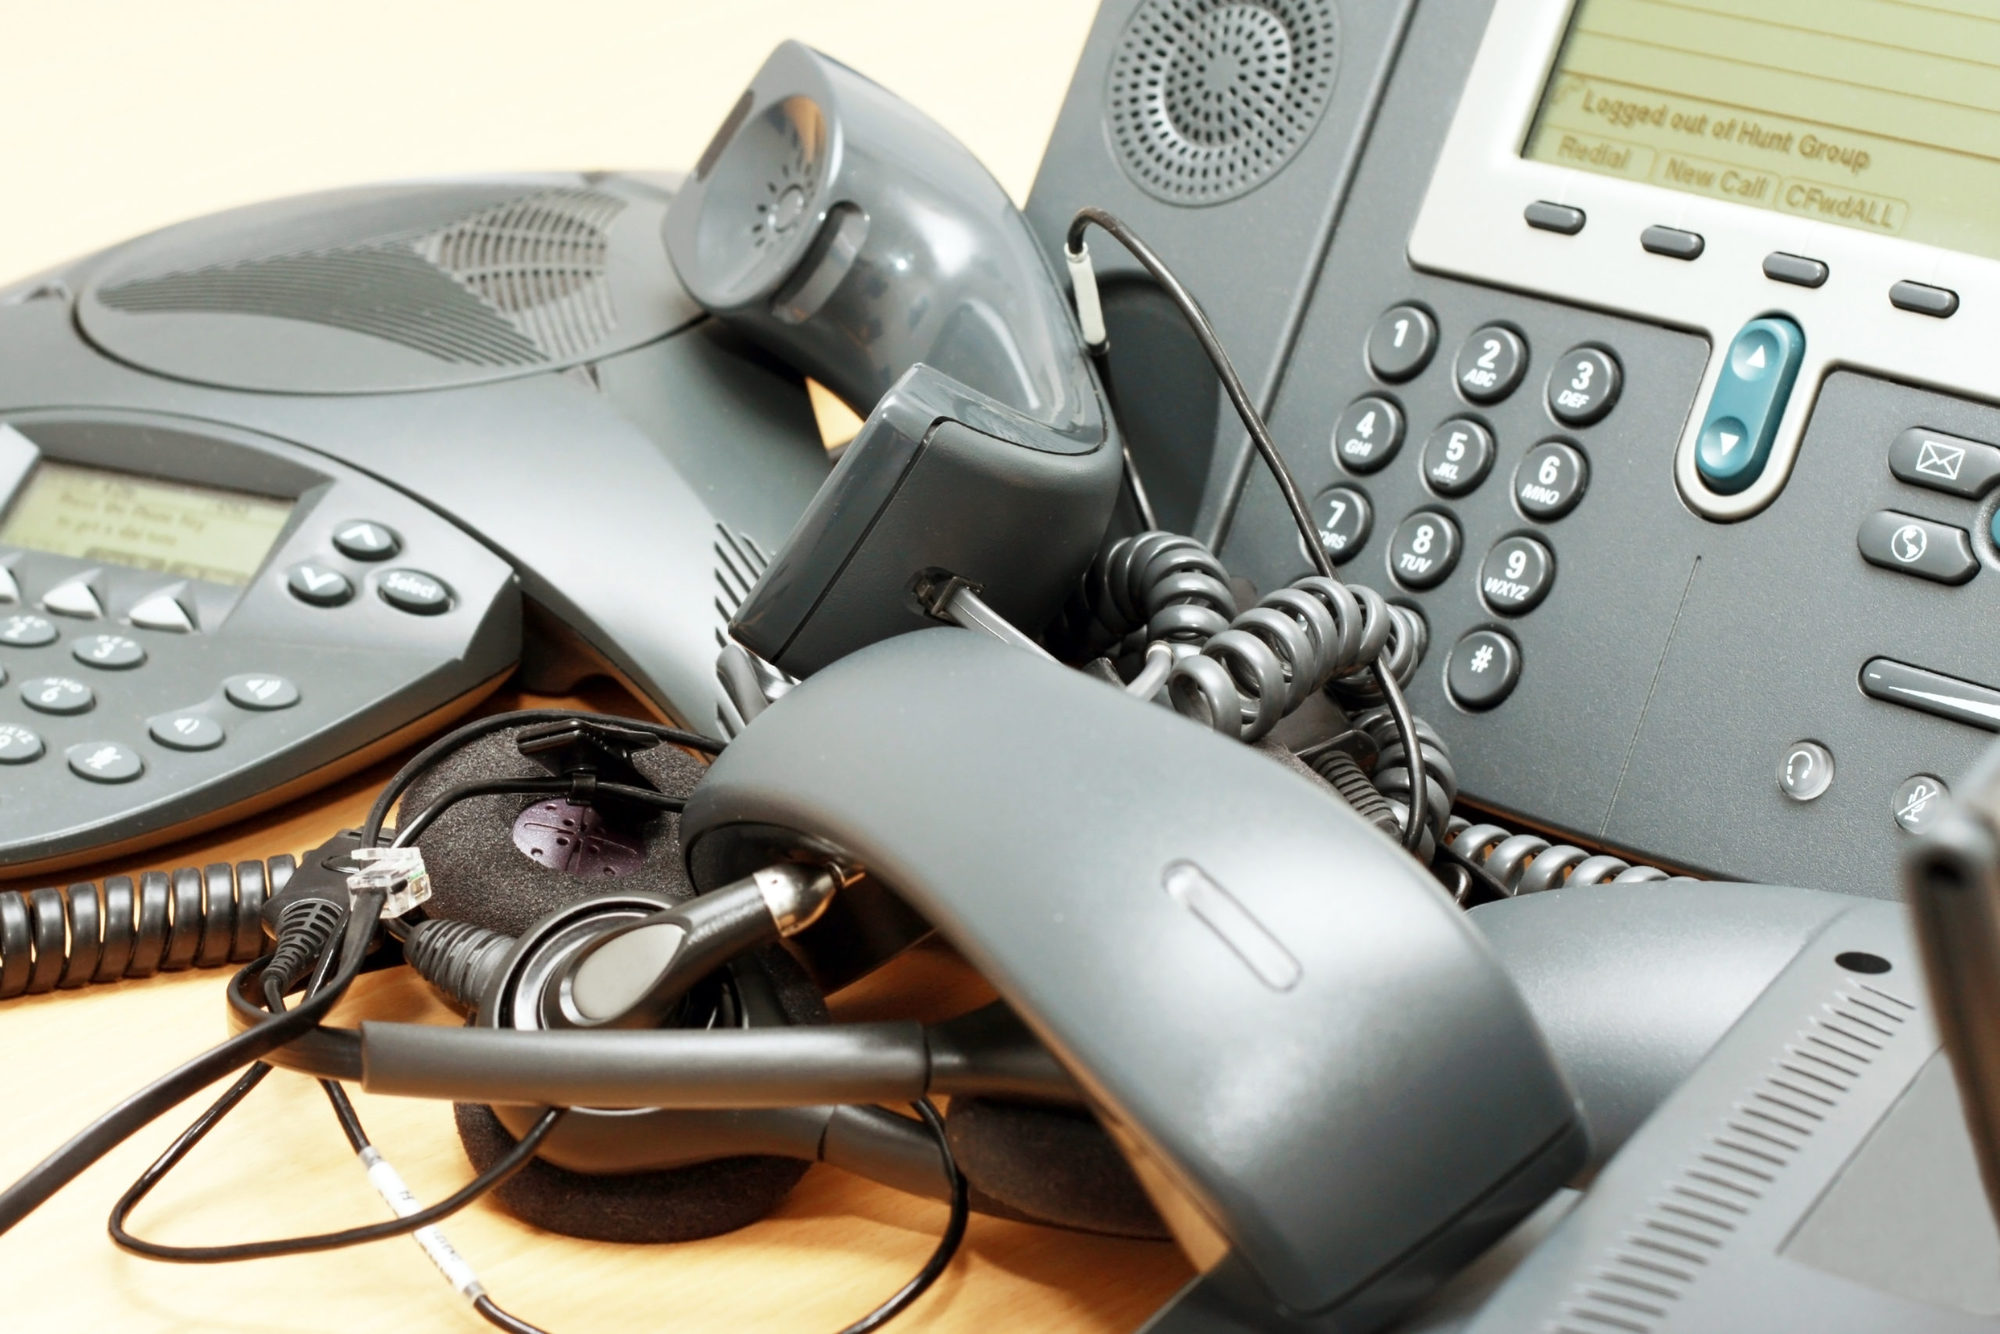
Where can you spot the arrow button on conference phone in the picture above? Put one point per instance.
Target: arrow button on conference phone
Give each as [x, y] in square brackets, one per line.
[318, 585]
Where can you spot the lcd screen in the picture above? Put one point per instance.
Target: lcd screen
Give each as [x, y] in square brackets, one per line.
[193, 532]
[1881, 115]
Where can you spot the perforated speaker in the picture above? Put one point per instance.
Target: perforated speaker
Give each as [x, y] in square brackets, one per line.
[1209, 98]
[394, 287]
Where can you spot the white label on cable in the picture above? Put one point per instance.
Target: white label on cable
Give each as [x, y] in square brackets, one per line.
[389, 1185]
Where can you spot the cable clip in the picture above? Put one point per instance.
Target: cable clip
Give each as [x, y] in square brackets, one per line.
[398, 872]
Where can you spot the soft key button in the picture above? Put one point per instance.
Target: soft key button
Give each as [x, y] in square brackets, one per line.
[1945, 463]
[1749, 399]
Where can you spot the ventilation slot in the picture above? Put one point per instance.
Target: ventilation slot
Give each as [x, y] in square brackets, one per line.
[1670, 1243]
[739, 564]
[1209, 98]
[521, 283]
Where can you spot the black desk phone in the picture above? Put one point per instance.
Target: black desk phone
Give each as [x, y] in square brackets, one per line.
[1636, 354]
[1494, 362]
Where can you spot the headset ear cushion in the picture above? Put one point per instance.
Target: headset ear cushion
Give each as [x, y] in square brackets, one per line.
[1046, 1164]
[479, 875]
[678, 1204]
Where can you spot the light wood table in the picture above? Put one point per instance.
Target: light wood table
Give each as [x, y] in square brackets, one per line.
[279, 1166]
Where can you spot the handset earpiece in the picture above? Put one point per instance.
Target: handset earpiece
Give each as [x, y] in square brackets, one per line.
[849, 233]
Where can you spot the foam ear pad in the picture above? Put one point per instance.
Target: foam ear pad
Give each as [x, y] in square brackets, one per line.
[1047, 1164]
[678, 1204]
[479, 875]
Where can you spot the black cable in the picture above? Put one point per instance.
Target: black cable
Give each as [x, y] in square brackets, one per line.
[1406, 729]
[502, 1168]
[344, 1111]
[1218, 356]
[1281, 473]
[465, 734]
[169, 1090]
[492, 1313]
[947, 1247]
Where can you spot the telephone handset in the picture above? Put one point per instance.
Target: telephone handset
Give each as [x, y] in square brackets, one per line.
[847, 232]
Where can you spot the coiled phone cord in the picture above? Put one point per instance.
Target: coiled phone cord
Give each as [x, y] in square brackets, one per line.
[1528, 863]
[1090, 316]
[1241, 672]
[161, 922]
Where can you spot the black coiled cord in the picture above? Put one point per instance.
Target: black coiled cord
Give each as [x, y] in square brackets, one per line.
[161, 922]
[1241, 672]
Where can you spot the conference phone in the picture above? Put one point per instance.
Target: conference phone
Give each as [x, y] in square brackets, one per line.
[369, 448]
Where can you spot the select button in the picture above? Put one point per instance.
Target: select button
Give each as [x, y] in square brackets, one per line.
[415, 592]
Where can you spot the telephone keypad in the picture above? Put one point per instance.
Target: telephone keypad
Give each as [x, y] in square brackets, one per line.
[1368, 434]
[1584, 385]
[1550, 480]
[58, 694]
[25, 630]
[1401, 343]
[1490, 364]
[19, 744]
[1482, 670]
[1516, 575]
[1457, 457]
[111, 653]
[1423, 549]
[1343, 517]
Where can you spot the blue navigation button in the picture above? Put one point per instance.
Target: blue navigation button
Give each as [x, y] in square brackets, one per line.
[1749, 399]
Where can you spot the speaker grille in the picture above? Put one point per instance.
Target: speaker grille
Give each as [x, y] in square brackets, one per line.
[1209, 98]
[518, 283]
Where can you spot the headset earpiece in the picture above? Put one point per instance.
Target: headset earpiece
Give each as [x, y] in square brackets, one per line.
[685, 1203]
[1046, 1164]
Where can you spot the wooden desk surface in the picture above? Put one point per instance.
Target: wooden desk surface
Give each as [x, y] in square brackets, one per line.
[279, 1167]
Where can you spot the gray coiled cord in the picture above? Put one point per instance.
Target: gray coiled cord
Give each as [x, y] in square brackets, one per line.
[1529, 863]
[161, 922]
[1241, 672]
[1391, 775]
